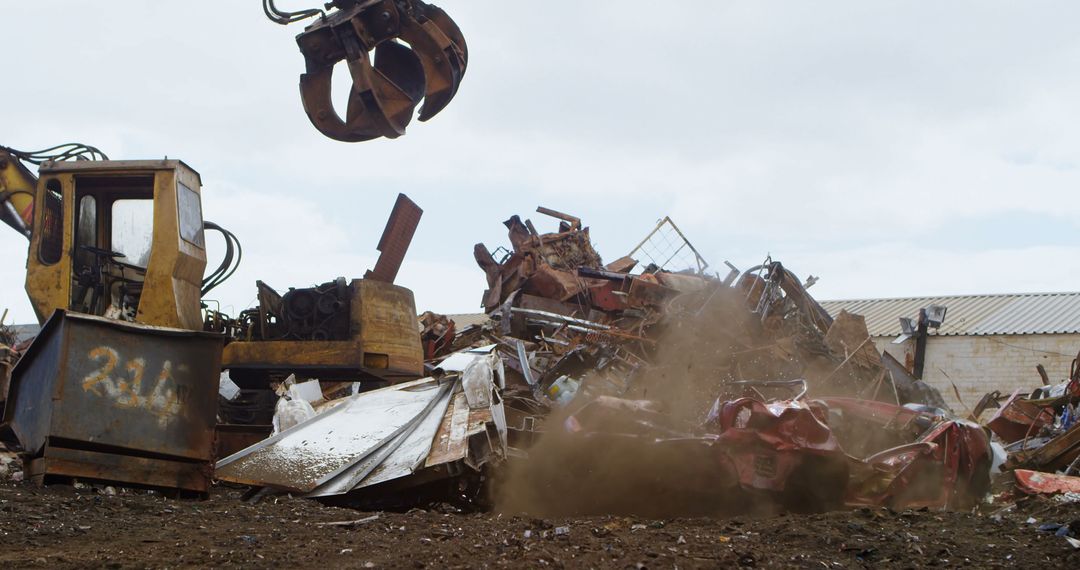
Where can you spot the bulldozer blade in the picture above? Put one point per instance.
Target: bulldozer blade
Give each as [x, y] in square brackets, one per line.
[444, 63]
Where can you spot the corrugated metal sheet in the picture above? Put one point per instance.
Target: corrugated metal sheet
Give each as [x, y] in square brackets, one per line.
[1029, 313]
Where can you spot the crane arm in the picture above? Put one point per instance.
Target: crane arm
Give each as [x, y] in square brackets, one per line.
[17, 186]
[18, 183]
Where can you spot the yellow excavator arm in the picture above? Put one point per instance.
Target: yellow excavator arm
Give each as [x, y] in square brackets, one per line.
[17, 186]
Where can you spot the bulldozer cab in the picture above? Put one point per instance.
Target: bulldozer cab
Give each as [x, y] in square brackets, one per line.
[120, 239]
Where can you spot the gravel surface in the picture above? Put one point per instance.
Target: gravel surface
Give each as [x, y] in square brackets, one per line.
[67, 527]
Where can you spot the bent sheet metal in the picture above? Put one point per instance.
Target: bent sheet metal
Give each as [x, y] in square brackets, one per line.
[371, 438]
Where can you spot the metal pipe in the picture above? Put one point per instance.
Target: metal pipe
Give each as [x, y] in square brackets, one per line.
[920, 345]
[560, 318]
[526, 370]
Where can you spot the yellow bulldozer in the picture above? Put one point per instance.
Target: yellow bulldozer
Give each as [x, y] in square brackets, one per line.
[125, 371]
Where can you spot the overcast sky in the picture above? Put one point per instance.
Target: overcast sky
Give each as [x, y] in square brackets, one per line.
[890, 148]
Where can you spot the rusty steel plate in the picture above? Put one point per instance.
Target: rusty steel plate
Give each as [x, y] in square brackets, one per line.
[123, 387]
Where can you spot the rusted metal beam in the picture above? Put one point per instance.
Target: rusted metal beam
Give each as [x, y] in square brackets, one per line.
[575, 222]
[396, 239]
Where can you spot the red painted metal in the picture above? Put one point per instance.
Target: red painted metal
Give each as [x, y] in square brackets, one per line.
[1019, 418]
[1037, 482]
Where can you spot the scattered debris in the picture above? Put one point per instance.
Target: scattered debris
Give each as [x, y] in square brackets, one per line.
[1049, 483]
[10, 351]
[398, 438]
[1039, 430]
[351, 524]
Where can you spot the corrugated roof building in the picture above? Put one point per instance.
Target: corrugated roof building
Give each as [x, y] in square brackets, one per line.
[987, 342]
[1028, 313]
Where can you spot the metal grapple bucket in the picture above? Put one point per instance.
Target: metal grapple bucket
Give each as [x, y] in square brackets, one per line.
[398, 53]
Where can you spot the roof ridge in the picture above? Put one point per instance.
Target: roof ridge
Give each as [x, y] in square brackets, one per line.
[1005, 313]
[960, 296]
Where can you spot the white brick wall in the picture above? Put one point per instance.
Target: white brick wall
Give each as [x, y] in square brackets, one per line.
[980, 364]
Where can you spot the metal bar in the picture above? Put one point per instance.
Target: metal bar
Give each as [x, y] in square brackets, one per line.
[559, 318]
[659, 225]
[920, 345]
[396, 238]
[668, 260]
[574, 222]
[525, 368]
[701, 260]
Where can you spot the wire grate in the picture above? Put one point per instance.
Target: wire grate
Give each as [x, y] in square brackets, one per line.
[668, 249]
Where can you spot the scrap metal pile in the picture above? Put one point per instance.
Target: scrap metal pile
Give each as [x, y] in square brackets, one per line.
[1039, 436]
[428, 439]
[10, 349]
[646, 386]
[625, 385]
[643, 386]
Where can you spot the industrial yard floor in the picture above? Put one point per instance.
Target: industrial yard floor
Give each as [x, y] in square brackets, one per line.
[64, 527]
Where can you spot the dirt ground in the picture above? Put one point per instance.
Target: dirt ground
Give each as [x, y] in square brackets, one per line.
[65, 527]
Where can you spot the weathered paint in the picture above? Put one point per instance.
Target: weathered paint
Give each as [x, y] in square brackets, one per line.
[1035, 482]
[20, 182]
[171, 287]
[121, 393]
[119, 380]
[384, 330]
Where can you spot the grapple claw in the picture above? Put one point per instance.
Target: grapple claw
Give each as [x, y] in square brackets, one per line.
[387, 87]
[377, 106]
[444, 62]
[451, 29]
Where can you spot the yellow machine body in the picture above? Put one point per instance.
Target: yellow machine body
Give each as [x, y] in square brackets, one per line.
[384, 342]
[17, 188]
[131, 231]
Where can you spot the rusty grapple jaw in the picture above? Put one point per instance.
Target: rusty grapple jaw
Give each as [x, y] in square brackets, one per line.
[398, 53]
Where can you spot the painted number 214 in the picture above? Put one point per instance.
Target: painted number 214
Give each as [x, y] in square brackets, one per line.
[123, 383]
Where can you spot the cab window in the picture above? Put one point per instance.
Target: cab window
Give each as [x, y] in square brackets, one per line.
[52, 225]
[86, 230]
[191, 224]
[133, 230]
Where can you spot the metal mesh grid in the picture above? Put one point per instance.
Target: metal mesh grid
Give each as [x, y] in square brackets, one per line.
[667, 248]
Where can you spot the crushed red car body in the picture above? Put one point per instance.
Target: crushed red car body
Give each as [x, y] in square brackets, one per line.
[793, 451]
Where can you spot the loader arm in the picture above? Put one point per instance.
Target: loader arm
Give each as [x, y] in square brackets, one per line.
[17, 186]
